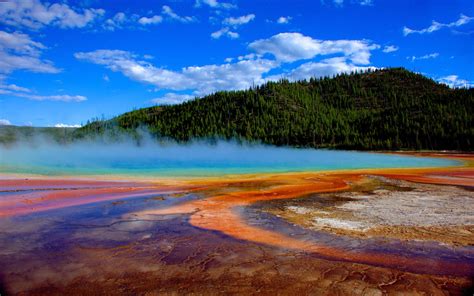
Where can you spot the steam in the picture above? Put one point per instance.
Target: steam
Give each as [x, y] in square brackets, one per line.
[146, 155]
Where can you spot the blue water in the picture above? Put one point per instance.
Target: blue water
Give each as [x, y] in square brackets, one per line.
[198, 159]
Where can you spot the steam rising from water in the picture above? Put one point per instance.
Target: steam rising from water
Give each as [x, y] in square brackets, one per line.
[168, 158]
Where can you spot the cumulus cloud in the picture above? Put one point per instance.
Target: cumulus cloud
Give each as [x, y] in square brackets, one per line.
[436, 26]
[121, 20]
[156, 19]
[224, 32]
[5, 122]
[360, 2]
[33, 14]
[238, 21]
[14, 87]
[283, 19]
[243, 71]
[326, 67]
[365, 2]
[23, 92]
[424, 57]
[128, 64]
[20, 43]
[19, 52]
[215, 4]
[172, 99]
[166, 10]
[390, 48]
[63, 125]
[250, 56]
[118, 21]
[63, 98]
[233, 22]
[202, 79]
[290, 47]
[454, 81]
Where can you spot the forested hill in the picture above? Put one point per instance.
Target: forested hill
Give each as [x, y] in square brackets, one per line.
[382, 109]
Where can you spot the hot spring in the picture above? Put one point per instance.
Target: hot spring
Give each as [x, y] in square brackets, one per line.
[195, 159]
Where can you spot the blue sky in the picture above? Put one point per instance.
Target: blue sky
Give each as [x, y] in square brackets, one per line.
[62, 63]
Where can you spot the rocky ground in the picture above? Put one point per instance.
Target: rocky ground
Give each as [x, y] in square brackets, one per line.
[379, 206]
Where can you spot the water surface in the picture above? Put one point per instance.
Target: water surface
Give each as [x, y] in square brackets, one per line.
[203, 159]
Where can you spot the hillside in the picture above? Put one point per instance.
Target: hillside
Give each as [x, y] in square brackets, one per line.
[382, 109]
[10, 134]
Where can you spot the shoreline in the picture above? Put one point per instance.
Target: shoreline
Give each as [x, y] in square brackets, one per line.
[462, 159]
[465, 161]
[115, 187]
[216, 209]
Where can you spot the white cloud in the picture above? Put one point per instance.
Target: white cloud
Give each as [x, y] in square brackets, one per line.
[366, 2]
[224, 32]
[106, 78]
[116, 22]
[360, 2]
[5, 122]
[166, 12]
[424, 57]
[14, 87]
[19, 52]
[289, 47]
[63, 98]
[250, 56]
[123, 21]
[233, 35]
[284, 19]
[233, 22]
[156, 19]
[327, 67]
[63, 125]
[11, 62]
[20, 43]
[243, 71]
[23, 92]
[454, 81]
[171, 14]
[436, 26]
[215, 4]
[390, 48]
[172, 99]
[200, 79]
[34, 14]
[239, 21]
[120, 17]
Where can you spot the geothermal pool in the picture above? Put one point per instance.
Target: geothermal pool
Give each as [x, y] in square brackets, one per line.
[198, 159]
[225, 218]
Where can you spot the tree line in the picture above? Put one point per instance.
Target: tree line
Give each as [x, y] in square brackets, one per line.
[387, 109]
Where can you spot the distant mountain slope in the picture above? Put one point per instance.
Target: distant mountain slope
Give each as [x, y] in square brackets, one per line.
[10, 134]
[382, 109]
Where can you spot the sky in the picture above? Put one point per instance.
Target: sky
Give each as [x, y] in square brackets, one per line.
[63, 63]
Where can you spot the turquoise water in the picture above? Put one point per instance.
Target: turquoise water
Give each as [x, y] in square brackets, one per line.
[198, 159]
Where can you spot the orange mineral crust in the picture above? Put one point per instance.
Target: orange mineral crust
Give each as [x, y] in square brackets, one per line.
[209, 239]
[37, 195]
[218, 213]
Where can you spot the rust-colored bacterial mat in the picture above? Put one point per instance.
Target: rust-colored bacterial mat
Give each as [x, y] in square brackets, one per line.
[276, 233]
